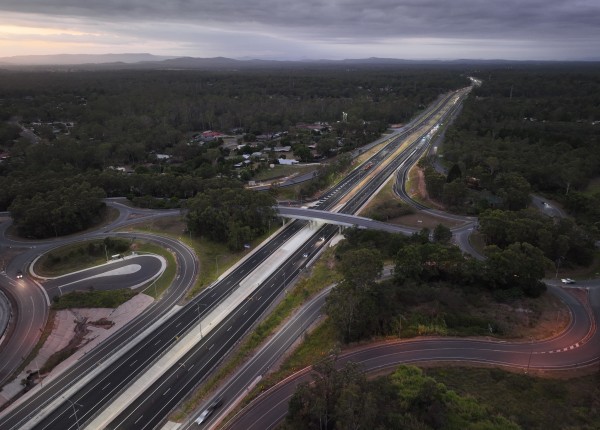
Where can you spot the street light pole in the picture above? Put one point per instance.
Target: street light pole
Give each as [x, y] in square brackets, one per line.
[530, 354]
[199, 320]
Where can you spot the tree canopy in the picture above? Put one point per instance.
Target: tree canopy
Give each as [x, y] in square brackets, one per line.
[63, 210]
[406, 399]
[231, 215]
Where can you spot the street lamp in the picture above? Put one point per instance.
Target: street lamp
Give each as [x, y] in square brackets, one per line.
[530, 354]
[217, 262]
[199, 320]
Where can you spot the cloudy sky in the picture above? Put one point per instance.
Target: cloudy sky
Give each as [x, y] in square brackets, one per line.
[305, 29]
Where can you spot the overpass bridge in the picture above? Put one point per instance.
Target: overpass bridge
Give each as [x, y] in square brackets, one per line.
[345, 220]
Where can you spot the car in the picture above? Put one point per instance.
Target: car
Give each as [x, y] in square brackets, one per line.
[567, 281]
[19, 274]
[305, 255]
[203, 416]
[208, 411]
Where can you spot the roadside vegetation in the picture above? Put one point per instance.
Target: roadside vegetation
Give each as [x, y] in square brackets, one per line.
[319, 276]
[517, 134]
[385, 206]
[534, 403]
[435, 289]
[92, 299]
[406, 399]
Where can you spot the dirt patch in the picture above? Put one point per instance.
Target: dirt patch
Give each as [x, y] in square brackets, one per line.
[424, 220]
[77, 341]
[540, 318]
[417, 189]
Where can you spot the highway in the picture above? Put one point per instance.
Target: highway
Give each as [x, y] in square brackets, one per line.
[244, 379]
[578, 346]
[150, 408]
[121, 373]
[145, 412]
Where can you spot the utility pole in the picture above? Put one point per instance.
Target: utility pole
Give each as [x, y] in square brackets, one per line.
[199, 320]
[530, 354]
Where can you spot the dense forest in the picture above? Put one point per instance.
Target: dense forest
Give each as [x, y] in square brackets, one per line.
[108, 128]
[434, 288]
[527, 129]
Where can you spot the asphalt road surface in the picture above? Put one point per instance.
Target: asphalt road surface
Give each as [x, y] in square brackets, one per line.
[121, 273]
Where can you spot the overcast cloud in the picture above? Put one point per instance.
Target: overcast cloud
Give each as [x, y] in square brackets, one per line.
[512, 29]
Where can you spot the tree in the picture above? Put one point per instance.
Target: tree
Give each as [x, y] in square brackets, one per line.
[335, 398]
[454, 173]
[442, 234]
[514, 190]
[57, 212]
[520, 266]
[231, 215]
[345, 306]
[434, 182]
[409, 264]
[454, 193]
[361, 267]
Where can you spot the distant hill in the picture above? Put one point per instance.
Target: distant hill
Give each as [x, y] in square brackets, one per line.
[74, 59]
[154, 62]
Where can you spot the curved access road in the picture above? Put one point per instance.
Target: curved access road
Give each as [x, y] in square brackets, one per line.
[33, 300]
[129, 272]
[578, 346]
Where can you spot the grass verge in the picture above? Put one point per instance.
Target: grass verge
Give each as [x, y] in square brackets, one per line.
[93, 299]
[158, 286]
[321, 276]
[78, 256]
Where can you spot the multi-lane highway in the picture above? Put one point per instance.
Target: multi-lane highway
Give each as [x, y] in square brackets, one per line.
[150, 408]
[108, 382]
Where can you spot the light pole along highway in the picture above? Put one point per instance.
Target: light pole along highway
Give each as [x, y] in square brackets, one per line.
[122, 372]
